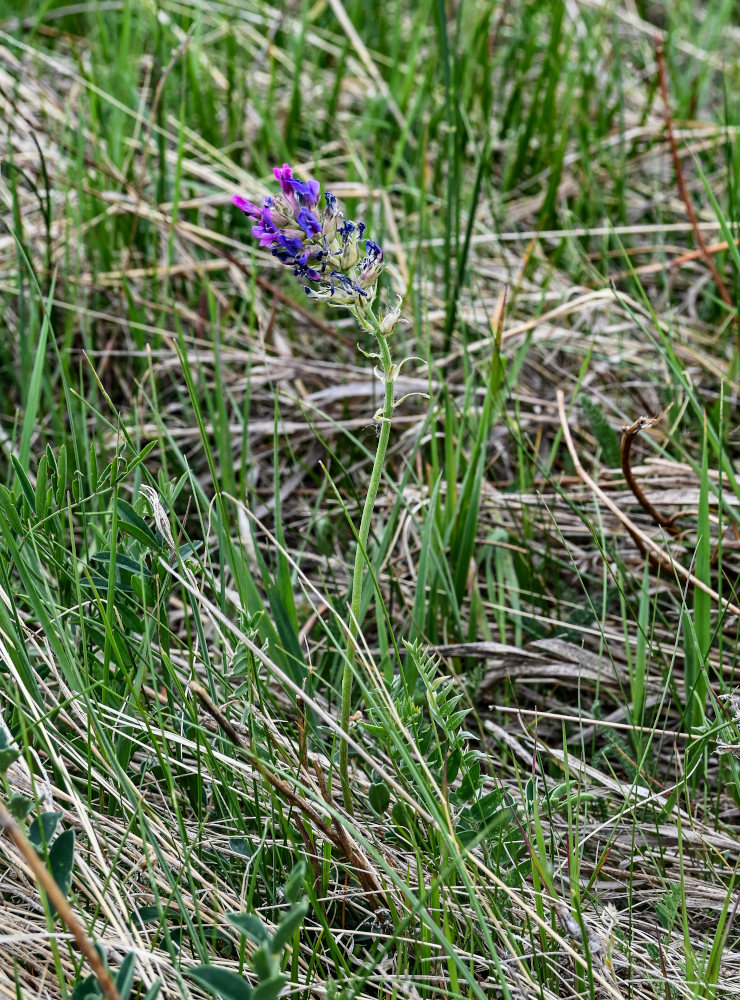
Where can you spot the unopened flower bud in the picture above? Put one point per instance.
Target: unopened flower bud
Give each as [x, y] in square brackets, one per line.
[389, 322]
[350, 255]
[329, 227]
[331, 217]
[280, 218]
[371, 265]
[248, 207]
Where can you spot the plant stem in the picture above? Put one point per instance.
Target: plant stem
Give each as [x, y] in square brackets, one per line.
[361, 556]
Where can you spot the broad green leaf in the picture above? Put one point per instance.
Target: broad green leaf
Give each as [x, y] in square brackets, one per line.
[379, 797]
[123, 562]
[144, 590]
[19, 806]
[269, 989]
[62, 860]
[8, 755]
[486, 807]
[87, 989]
[294, 885]
[288, 925]
[469, 785]
[135, 524]
[401, 814]
[453, 764]
[242, 846]
[249, 925]
[224, 982]
[263, 963]
[125, 976]
[146, 914]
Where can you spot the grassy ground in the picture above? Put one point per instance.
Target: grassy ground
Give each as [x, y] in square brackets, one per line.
[543, 743]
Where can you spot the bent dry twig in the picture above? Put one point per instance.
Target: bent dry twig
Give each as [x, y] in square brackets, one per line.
[629, 433]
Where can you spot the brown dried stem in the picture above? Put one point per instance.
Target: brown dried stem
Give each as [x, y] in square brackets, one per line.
[59, 901]
[682, 189]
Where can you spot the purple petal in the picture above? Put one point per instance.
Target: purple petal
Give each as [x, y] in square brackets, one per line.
[308, 191]
[248, 207]
[285, 175]
[308, 222]
[373, 250]
[291, 243]
[266, 232]
[266, 236]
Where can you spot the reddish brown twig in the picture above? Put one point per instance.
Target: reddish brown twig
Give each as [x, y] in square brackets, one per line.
[629, 434]
[59, 901]
[682, 190]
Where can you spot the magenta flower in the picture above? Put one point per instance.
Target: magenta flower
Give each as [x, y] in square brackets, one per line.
[285, 175]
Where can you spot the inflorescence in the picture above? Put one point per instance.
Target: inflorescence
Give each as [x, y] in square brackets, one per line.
[323, 252]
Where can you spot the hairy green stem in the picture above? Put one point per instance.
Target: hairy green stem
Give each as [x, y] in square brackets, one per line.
[361, 556]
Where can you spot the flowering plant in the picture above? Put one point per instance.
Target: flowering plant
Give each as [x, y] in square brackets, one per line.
[326, 256]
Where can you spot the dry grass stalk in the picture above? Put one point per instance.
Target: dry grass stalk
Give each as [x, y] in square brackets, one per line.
[59, 901]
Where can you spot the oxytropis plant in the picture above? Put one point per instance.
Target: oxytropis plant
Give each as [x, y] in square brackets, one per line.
[336, 262]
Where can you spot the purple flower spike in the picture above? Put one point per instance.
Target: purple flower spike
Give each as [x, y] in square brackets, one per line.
[308, 222]
[307, 237]
[248, 207]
